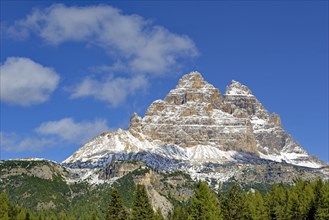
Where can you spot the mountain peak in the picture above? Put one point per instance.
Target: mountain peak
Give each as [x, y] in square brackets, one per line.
[193, 125]
[192, 88]
[192, 80]
[238, 89]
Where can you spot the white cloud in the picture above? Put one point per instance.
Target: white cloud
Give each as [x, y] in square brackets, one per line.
[130, 39]
[12, 142]
[112, 90]
[59, 133]
[73, 132]
[25, 82]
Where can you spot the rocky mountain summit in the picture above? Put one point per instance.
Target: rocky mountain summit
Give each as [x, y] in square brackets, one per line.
[197, 130]
[191, 116]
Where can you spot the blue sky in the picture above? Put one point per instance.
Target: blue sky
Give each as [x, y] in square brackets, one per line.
[70, 71]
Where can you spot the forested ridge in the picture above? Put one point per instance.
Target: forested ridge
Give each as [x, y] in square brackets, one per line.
[302, 200]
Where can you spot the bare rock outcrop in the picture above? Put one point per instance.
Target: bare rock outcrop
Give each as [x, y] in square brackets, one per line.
[190, 115]
[268, 131]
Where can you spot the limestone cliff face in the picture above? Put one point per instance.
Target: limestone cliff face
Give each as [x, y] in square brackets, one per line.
[193, 88]
[194, 124]
[190, 115]
[267, 129]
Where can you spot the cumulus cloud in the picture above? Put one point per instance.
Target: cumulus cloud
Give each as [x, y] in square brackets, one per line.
[130, 39]
[136, 46]
[25, 82]
[53, 134]
[11, 142]
[73, 132]
[111, 90]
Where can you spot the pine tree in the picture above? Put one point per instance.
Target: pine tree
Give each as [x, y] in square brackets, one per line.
[277, 202]
[317, 187]
[158, 215]
[62, 215]
[41, 216]
[179, 213]
[300, 200]
[22, 214]
[52, 217]
[142, 209]
[322, 211]
[204, 204]
[93, 216]
[293, 205]
[27, 216]
[4, 206]
[116, 210]
[256, 206]
[234, 206]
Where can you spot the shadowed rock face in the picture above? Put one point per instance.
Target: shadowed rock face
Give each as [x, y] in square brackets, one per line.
[268, 132]
[239, 97]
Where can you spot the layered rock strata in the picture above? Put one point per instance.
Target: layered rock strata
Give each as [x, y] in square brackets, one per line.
[190, 115]
[194, 124]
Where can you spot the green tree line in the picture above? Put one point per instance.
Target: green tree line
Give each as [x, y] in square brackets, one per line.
[303, 200]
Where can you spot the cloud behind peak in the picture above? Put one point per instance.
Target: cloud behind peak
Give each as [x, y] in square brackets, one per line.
[130, 39]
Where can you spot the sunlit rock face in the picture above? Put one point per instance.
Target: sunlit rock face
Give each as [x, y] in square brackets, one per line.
[194, 125]
[190, 115]
[267, 129]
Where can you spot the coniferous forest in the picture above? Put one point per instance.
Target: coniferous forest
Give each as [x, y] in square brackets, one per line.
[302, 200]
